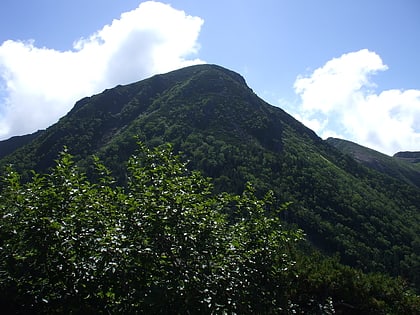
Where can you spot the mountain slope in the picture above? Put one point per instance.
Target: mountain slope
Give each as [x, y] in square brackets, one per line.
[402, 165]
[230, 134]
[11, 145]
[411, 157]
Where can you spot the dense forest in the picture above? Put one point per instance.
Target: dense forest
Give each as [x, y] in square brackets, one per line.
[166, 244]
[364, 218]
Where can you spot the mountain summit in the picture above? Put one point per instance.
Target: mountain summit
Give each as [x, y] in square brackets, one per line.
[226, 131]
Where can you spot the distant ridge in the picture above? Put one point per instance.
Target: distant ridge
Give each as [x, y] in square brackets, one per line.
[401, 165]
[412, 157]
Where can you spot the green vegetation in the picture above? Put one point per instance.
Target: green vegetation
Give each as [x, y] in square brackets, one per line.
[165, 243]
[225, 131]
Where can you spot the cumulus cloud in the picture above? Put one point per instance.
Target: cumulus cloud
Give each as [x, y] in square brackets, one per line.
[340, 99]
[38, 84]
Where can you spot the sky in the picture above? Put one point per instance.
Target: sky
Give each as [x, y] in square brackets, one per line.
[347, 69]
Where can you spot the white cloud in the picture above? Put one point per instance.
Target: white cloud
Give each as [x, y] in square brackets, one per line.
[339, 99]
[38, 85]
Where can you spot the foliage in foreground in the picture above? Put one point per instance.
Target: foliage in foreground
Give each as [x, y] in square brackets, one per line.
[164, 244]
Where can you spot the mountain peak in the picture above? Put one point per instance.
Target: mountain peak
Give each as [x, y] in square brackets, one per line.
[202, 68]
[206, 96]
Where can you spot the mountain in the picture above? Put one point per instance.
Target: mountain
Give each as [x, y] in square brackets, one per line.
[411, 157]
[403, 165]
[10, 145]
[226, 131]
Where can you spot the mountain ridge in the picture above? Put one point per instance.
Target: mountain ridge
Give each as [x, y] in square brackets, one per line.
[401, 165]
[409, 156]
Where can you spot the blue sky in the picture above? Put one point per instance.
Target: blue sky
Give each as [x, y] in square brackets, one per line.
[344, 68]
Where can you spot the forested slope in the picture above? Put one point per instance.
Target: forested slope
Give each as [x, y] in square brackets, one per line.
[166, 244]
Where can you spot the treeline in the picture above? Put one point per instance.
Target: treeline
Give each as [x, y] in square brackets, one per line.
[166, 243]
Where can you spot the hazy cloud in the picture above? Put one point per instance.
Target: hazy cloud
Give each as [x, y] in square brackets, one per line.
[340, 100]
[38, 84]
